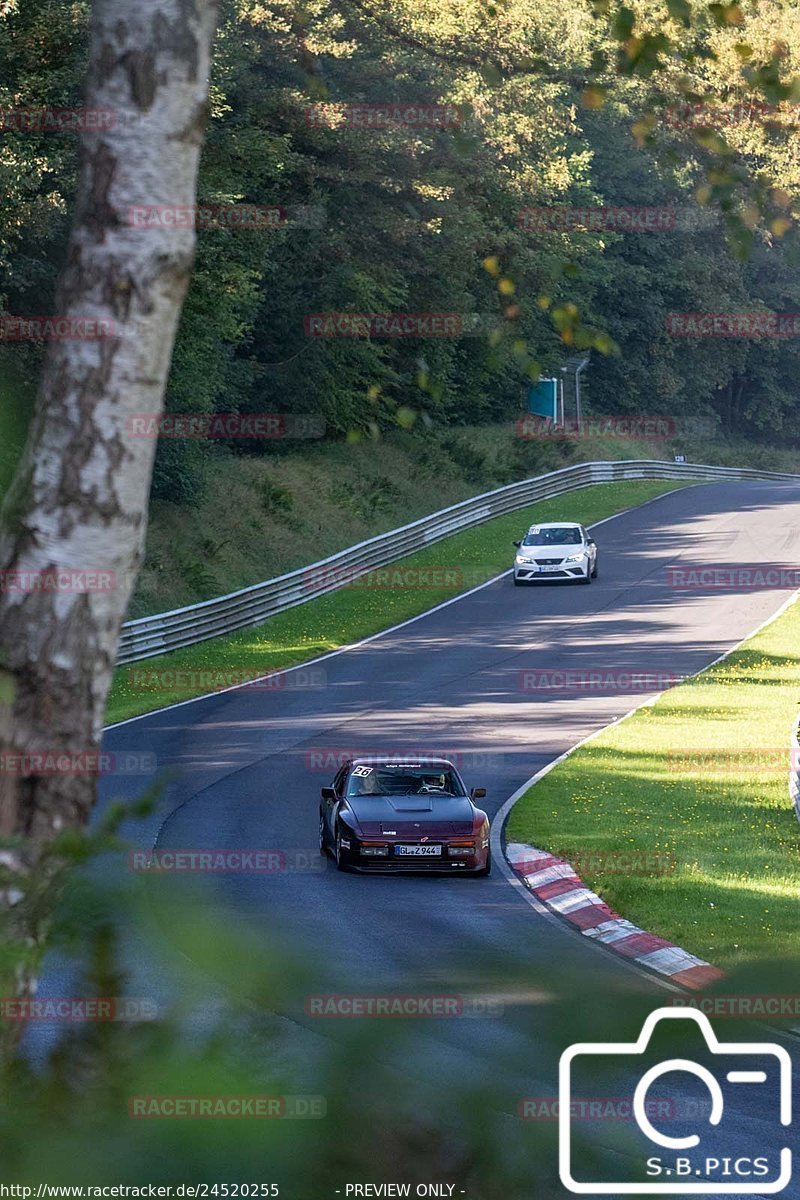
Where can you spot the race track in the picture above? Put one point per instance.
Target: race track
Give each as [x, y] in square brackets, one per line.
[245, 776]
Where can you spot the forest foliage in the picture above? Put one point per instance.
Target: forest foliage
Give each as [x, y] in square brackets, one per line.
[681, 107]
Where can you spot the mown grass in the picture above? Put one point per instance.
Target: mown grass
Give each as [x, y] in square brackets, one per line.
[701, 776]
[356, 611]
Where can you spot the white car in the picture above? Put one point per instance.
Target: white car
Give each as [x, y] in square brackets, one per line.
[555, 550]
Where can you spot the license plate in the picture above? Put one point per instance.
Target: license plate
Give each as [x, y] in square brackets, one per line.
[419, 851]
[549, 568]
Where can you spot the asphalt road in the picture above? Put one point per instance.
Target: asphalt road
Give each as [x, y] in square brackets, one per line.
[246, 774]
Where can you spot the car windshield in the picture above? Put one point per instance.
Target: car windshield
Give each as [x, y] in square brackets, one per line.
[403, 779]
[554, 535]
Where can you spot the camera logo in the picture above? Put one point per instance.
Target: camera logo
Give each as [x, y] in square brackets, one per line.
[686, 1164]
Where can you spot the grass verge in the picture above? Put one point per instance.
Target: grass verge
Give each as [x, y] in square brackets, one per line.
[701, 776]
[355, 612]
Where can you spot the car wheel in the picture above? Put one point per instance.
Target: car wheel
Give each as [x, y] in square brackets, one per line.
[487, 870]
[323, 849]
[339, 860]
[519, 582]
[587, 578]
[594, 571]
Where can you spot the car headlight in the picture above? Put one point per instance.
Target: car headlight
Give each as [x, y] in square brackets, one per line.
[520, 559]
[576, 557]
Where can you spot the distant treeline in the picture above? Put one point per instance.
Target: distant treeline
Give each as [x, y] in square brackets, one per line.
[409, 210]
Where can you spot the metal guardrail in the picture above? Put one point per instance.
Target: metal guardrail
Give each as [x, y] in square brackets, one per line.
[158, 634]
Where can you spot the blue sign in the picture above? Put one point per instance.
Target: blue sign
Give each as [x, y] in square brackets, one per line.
[543, 399]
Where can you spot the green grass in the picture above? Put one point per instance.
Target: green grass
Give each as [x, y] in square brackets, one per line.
[16, 403]
[700, 775]
[352, 613]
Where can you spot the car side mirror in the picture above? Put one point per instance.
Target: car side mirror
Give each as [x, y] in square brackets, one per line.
[327, 793]
[518, 544]
[478, 793]
[590, 541]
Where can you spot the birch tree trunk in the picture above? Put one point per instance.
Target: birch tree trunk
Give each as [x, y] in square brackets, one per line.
[79, 500]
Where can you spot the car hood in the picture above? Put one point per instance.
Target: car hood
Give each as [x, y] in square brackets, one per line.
[377, 815]
[550, 551]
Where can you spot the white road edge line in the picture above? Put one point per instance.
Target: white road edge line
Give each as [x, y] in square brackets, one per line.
[309, 662]
[501, 816]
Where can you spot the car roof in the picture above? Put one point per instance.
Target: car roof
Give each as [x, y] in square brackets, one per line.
[556, 525]
[370, 761]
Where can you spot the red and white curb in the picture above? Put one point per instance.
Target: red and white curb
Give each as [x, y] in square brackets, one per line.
[554, 883]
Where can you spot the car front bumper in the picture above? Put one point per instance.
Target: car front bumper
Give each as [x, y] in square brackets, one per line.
[392, 864]
[533, 574]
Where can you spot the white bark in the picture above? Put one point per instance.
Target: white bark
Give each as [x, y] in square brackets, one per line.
[79, 500]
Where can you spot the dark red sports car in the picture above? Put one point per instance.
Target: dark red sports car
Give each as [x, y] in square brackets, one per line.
[384, 815]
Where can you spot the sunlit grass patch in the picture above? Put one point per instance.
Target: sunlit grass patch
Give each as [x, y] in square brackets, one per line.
[701, 776]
